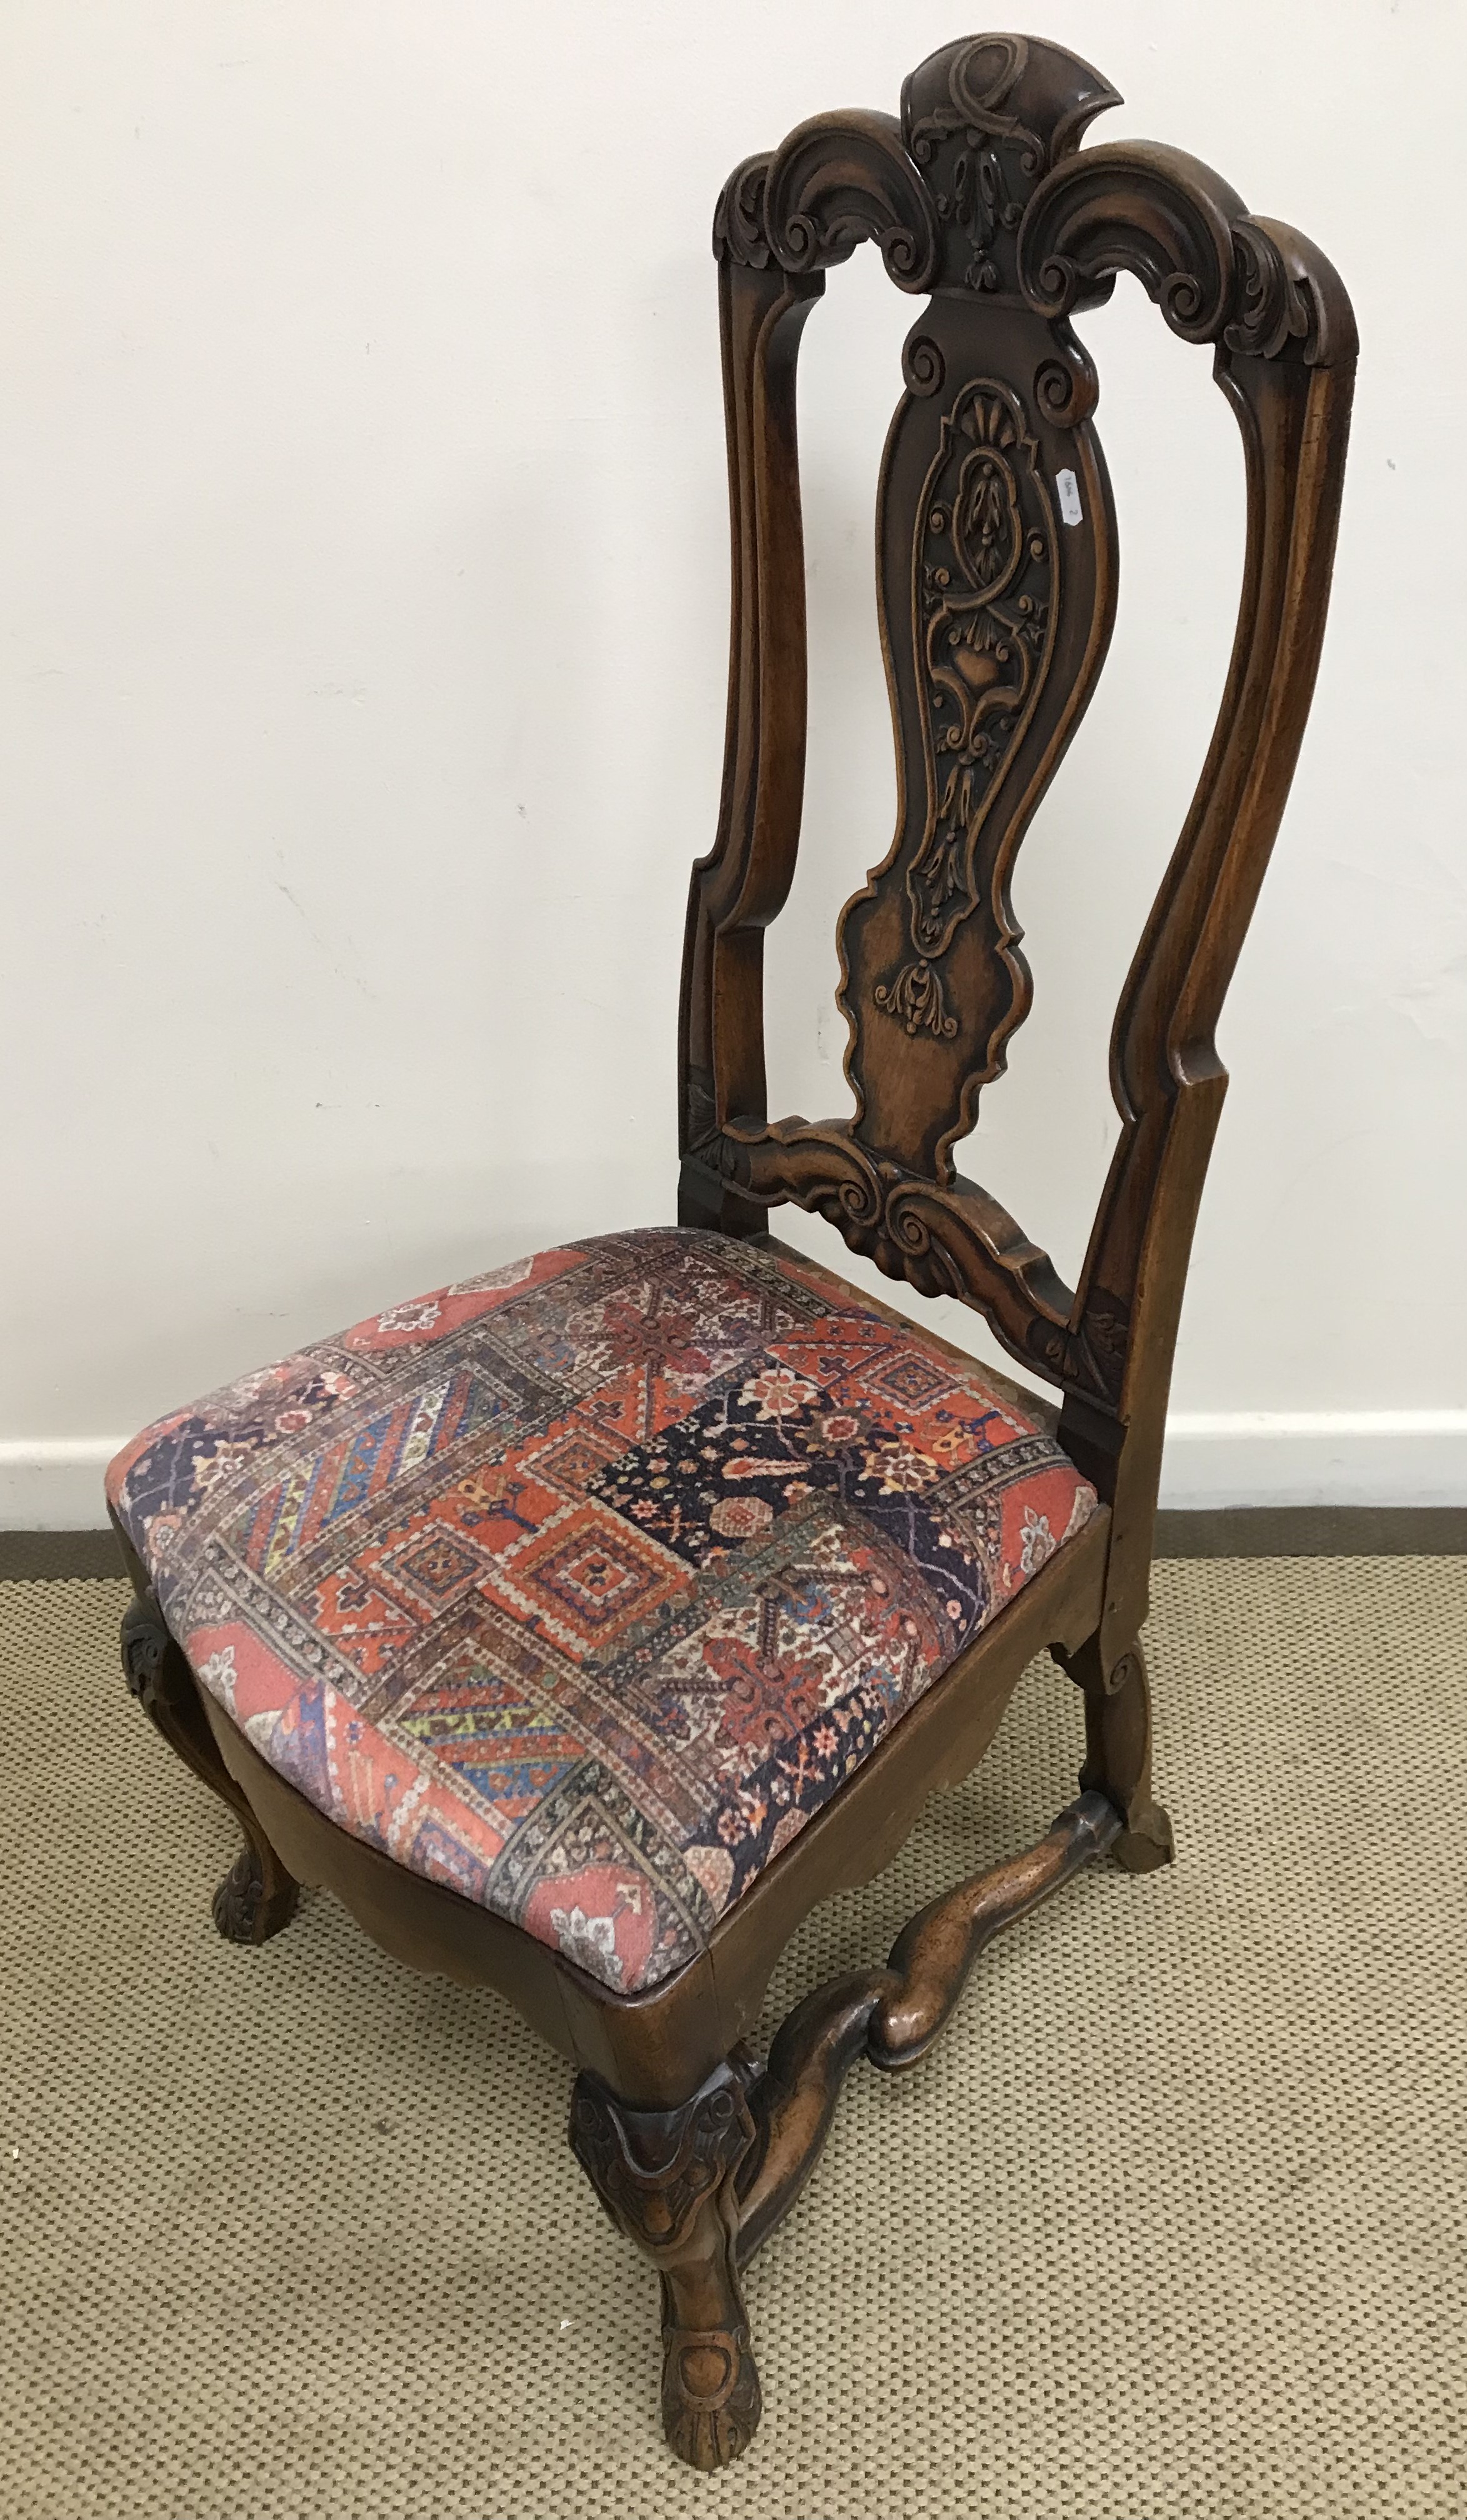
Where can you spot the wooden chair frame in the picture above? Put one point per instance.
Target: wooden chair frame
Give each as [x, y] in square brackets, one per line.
[982, 203]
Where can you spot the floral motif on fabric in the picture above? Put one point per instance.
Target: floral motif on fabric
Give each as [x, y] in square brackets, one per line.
[580, 1587]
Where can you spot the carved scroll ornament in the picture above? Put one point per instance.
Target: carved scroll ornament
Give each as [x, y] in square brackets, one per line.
[942, 1241]
[982, 196]
[941, 191]
[1217, 274]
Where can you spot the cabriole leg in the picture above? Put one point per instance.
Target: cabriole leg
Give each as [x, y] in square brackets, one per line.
[1118, 1751]
[667, 2178]
[258, 1896]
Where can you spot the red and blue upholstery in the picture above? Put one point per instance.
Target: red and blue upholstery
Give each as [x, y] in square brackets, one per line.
[580, 1586]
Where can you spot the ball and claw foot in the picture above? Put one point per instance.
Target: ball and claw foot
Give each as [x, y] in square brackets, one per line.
[246, 1908]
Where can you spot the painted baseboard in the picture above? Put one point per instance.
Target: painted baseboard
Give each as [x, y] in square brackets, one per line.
[1347, 1457]
[55, 1486]
[1359, 1457]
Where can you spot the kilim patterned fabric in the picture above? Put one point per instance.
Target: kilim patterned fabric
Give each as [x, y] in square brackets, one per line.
[581, 1584]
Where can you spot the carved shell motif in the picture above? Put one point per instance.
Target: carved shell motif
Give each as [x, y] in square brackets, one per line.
[984, 603]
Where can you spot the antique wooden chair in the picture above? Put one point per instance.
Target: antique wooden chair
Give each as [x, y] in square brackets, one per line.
[583, 1624]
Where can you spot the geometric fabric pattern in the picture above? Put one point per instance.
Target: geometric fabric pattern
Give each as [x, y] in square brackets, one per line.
[580, 1586]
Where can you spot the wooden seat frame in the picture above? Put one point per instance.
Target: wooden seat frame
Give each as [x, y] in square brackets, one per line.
[996, 584]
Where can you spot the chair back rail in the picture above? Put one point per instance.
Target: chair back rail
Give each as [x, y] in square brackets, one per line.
[997, 589]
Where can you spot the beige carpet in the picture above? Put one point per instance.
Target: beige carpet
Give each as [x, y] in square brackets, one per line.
[1170, 2227]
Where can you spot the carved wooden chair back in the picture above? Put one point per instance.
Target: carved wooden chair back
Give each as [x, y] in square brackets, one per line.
[996, 590]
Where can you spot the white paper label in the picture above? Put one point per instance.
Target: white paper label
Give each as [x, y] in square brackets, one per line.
[1068, 490]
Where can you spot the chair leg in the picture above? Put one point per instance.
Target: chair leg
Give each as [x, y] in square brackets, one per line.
[1118, 1751]
[667, 2178]
[258, 1896]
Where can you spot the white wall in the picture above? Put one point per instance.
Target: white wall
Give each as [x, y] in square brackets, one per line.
[364, 585]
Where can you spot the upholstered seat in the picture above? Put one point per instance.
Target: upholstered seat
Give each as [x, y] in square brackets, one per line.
[579, 1586]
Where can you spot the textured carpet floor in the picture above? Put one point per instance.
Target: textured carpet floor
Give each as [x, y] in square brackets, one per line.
[1171, 2226]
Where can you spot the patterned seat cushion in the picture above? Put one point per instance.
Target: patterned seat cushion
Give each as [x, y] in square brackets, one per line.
[581, 1584]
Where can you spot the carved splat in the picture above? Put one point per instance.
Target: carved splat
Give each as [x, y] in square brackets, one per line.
[995, 585]
[996, 616]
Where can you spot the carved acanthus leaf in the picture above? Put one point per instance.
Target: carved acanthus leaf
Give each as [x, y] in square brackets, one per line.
[739, 228]
[1089, 1358]
[942, 192]
[1285, 291]
[996, 158]
[146, 1649]
[667, 2178]
[1214, 272]
[700, 1110]
[653, 2169]
[916, 999]
[984, 119]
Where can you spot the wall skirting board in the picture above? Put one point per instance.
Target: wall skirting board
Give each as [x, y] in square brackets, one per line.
[1337, 1456]
[55, 1486]
[1405, 1458]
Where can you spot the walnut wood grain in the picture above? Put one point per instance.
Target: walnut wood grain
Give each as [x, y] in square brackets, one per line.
[892, 2014]
[813, 2051]
[931, 1956]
